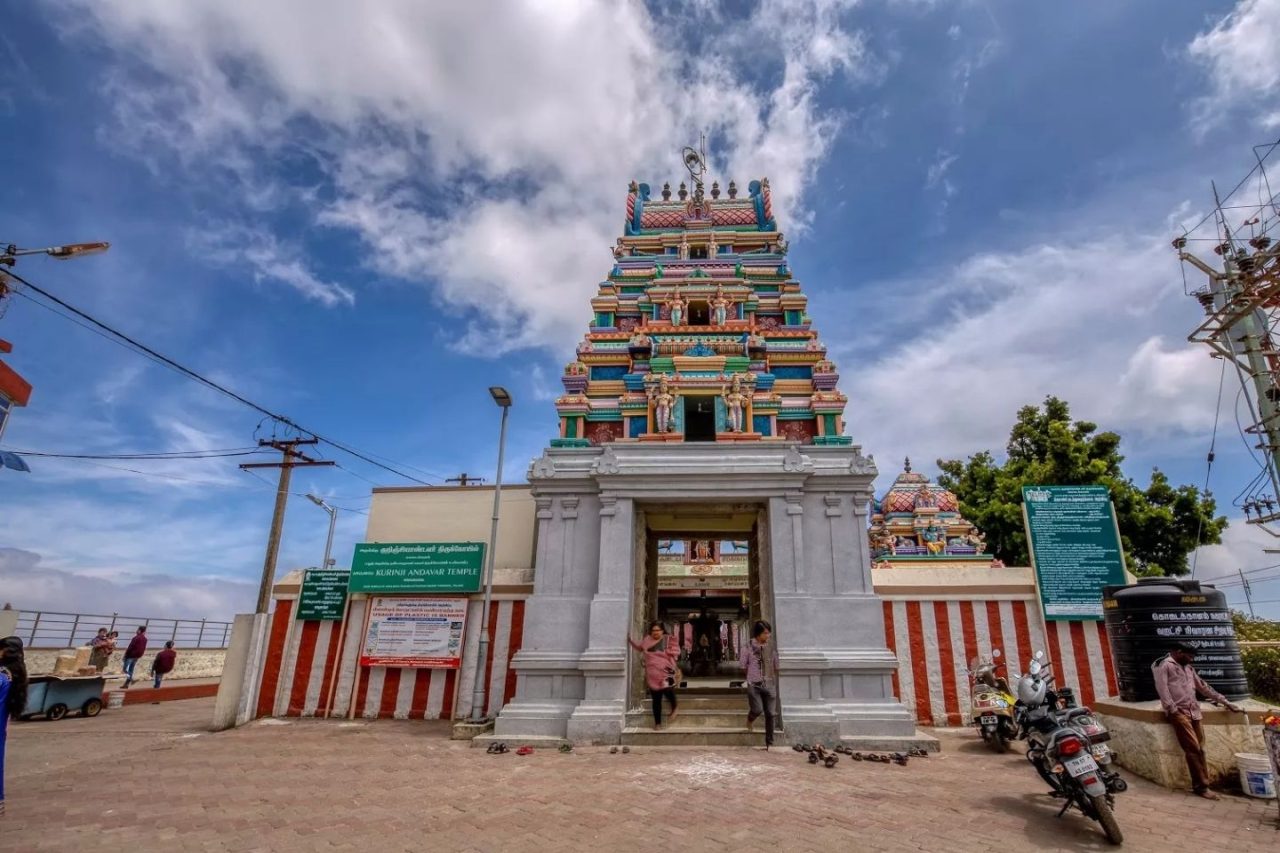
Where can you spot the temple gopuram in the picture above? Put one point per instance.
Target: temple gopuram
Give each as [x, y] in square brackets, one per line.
[918, 523]
[700, 333]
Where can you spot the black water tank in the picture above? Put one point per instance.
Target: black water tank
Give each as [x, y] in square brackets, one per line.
[1146, 619]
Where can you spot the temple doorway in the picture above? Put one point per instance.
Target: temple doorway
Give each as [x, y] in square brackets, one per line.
[699, 314]
[700, 418]
[704, 575]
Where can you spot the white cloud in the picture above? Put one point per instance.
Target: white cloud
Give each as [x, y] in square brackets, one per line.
[1241, 548]
[269, 259]
[1242, 60]
[482, 150]
[28, 585]
[936, 176]
[1098, 322]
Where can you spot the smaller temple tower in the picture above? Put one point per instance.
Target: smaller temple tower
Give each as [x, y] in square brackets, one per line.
[918, 523]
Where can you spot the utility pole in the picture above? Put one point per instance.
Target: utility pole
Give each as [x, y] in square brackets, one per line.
[465, 479]
[1248, 592]
[291, 458]
[1240, 303]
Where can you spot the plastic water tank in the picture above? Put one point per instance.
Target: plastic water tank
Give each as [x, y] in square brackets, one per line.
[1146, 619]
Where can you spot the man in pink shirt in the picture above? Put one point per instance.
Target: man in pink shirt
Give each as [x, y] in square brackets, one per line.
[1178, 684]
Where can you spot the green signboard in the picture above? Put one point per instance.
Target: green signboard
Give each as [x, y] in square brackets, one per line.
[324, 594]
[417, 567]
[1075, 547]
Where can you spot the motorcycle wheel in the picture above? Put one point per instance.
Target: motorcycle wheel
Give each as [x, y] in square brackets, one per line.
[1108, 819]
[999, 741]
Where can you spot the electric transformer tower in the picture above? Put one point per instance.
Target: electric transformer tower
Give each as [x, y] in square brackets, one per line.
[1241, 302]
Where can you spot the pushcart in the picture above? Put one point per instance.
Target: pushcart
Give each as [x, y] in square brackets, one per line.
[55, 695]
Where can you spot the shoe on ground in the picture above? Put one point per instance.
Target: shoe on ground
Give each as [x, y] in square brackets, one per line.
[1207, 795]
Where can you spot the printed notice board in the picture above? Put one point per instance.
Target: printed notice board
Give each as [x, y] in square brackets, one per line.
[417, 567]
[415, 631]
[1075, 547]
[324, 594]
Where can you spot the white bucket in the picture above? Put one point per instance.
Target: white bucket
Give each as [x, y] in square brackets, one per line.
[115, 699]
[1256, 777]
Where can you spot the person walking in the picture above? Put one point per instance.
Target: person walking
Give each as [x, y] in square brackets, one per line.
[760, 660]
[164, 662]
[13, 694]
[1178, 684]
[137, 648]
[102, 648]
[660, 653]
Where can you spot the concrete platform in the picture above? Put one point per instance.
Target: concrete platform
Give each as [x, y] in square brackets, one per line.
[1144, 743]
[169, 691]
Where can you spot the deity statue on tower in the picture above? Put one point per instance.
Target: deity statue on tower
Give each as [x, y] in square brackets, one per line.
[677, 308]
[734, 401]
[663, 400]
[720, 307]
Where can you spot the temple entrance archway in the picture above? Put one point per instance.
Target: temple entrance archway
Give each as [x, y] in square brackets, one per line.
[702, 571]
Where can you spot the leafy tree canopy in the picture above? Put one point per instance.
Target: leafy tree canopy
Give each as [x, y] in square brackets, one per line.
[1159, 525]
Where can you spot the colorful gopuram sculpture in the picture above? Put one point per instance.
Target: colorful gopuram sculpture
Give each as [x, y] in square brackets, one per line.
[700, 333]
[918, 523]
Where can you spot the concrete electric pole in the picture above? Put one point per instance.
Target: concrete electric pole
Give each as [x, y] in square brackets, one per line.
[292, 458]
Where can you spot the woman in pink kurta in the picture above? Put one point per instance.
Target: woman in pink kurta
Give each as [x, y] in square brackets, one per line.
[660, 653]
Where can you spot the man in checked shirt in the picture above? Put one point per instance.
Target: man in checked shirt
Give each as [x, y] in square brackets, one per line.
[1178, 684]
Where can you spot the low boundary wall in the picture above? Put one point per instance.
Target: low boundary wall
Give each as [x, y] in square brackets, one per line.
[191, 663]
[298, 678]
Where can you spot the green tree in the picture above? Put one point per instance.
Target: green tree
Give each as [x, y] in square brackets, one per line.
[1159, 525]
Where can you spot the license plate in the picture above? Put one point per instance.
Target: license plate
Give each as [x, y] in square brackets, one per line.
[987, 720]
[1099, 751]
[1080, 765]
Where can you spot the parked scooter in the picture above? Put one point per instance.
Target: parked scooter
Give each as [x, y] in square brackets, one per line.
[1062, 752]
[992, 703]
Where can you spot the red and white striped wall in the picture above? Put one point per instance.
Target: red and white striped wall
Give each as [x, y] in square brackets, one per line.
[300, 679]
[935, 639]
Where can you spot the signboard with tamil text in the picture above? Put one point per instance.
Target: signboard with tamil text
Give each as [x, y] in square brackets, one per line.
[324, 594]
[417, 567]
[415, 631]
[1075, 548]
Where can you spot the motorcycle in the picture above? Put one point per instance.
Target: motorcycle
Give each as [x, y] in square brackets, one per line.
[1061, 748]
[992, 705]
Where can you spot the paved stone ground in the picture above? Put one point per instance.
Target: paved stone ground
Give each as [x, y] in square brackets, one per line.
[151, 777]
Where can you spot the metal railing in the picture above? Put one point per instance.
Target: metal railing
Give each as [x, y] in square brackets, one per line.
[47, 629]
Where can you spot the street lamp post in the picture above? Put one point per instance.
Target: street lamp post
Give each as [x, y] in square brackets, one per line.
[333, 518]
[9, 254]
[503, 399]
[62, 253]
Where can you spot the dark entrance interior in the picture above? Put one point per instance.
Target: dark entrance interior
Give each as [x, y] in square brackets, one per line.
[699, 419]
[699, 314]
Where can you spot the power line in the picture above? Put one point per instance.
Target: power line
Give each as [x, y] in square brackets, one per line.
[155, 474]
[158, 456]
[197, 377]
[1213, 443]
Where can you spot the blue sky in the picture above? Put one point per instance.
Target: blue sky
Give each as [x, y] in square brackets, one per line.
[364, 217]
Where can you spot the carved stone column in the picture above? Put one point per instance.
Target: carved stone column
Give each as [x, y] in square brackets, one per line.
[600, 716]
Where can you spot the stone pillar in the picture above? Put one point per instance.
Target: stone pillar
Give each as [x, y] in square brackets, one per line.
[550, 683]
[835, 667]
[599, 717]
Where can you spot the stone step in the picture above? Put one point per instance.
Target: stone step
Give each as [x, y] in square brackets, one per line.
[696, 718]
[683, 736]
[711, 691]
[711, 703]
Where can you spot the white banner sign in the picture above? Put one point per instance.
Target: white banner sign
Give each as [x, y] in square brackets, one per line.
[414, 631]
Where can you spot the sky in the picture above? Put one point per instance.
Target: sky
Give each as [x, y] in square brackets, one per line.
[361, 216]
